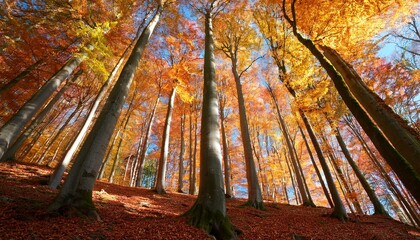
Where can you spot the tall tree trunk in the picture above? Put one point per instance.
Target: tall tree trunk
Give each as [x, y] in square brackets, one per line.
[194, 161]
[76, 192]
[306, 201]
[10, 154]
[399, 164]
[298, 195]
[146, 142]
[57, 133]
[257, 156]
[228, 188]
[254, 191]
[191, 189]
[108, 154]
[403, 138]
[390, 183]
[59, 170]
[161, 174]
[286, 195]
[38, 132]
[339, 181]
[378, 208]
[181, 156]
[347, 189]
[339, 210]
[10, 131]
[318, 173]
[343, 182]
[121, 130]
[21, 76]
[117, 155]
[209, 210]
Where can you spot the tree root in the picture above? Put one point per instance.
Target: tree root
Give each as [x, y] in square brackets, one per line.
[254, 204]
[79, 204]
[339, 215]
[213, 222]
[309, 204]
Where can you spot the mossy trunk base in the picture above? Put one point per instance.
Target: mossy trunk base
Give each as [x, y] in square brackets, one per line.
[339, 215]
[309, 204]
[79, 204]
[212, 222]
[380, 211]
[160, 191]
[254, 204]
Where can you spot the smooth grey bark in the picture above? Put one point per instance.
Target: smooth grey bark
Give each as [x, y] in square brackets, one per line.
[403, 138]
[181, 156]
[59, 170]
[10, 154]
[76, 192]
[10, 131]
[209, 210]
[255, 198]
[161, 173]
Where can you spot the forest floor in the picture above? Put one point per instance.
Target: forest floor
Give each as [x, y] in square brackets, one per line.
[138, 213]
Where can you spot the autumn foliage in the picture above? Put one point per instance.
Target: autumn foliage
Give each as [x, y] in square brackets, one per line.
[289, 134]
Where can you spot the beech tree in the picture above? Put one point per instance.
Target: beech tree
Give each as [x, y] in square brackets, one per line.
[209, 210]
[328, 94]
[402, 167]
[233, 35]
[11, 130]
[77, 189]
[278, 51]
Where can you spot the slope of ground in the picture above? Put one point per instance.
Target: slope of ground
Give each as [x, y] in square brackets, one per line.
[136, 213]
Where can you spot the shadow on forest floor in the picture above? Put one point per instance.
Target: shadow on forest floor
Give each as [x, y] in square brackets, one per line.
[138, 213]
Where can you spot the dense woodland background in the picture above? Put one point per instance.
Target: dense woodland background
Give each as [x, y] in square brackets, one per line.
[317, 102]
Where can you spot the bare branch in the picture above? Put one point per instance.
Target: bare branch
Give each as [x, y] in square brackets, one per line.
[246, 69]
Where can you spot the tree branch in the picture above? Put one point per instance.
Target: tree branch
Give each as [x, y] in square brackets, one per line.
[242, 72]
